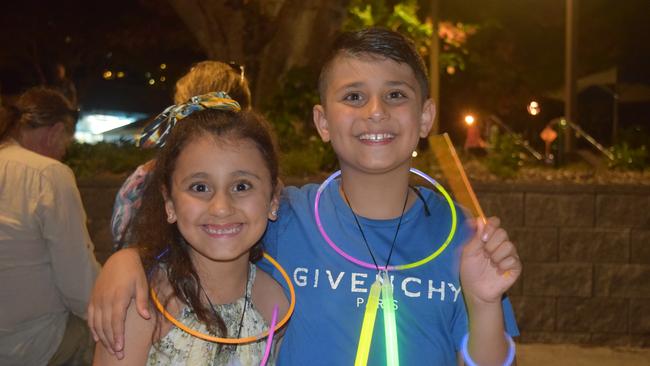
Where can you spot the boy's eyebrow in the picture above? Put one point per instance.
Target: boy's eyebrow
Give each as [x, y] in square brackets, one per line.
[353, 85]
[400, 83]
[391, 83]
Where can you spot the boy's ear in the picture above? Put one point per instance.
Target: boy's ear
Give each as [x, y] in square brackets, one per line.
[428, 115]
[320, 121]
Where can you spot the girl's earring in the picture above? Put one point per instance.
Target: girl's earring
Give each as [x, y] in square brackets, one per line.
[274, 213]
[171, 218]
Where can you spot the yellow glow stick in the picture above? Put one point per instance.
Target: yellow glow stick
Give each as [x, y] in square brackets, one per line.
[457, 180]
[453, 170]
[365, 339]
[390, 325]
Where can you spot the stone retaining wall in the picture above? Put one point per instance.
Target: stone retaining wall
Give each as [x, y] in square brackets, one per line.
[585, 249]
[586, 255]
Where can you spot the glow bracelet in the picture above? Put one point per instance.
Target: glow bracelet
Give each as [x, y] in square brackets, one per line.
[211, 338]
[390, 324]
[365, 338]
[468, 360]
[269, 339]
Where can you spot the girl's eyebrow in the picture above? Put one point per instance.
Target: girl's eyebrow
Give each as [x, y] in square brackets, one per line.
[235, 174]
[245, 173]
[197, 175]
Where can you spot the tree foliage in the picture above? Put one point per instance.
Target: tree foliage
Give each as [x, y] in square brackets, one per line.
[404, 17]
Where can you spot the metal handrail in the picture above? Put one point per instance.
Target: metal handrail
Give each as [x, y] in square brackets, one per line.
[562, 122]
[518, 139]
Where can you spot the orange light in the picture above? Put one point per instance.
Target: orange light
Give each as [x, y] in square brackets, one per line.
[469, 119]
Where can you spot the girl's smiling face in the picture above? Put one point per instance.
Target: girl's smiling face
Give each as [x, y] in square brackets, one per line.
[221, 197]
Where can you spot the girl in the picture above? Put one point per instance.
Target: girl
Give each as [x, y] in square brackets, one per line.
[203, 77]
[213, 190]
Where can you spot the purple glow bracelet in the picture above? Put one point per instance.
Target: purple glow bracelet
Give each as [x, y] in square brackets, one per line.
[269, 339]
[468, 360]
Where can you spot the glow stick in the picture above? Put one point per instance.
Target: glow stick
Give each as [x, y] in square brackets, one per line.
[365, 338]
[455, 174]
[399, 267]
[390, 325]
[269, 339]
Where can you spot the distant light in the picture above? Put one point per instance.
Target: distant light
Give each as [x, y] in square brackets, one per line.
[108, 74]
[451, 70]
[100, 123]
[109, 54]
[414, 154]
[163, 66]
[67, 39]
[533, 108]
[548, 134]
[152, 81]
[469, 119]
[147, 74]
[163, 78]
[120, 74]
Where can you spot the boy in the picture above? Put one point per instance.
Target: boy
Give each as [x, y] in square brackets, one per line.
[375, 107]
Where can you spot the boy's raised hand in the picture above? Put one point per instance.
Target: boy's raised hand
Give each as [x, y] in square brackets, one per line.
[489, 263]
[121, 279]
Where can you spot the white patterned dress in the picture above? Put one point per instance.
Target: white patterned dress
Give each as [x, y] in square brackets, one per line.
[180, 348]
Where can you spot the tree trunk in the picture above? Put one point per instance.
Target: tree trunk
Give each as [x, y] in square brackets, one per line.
[269, 37]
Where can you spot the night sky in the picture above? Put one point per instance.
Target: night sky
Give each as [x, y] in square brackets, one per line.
[136, 37]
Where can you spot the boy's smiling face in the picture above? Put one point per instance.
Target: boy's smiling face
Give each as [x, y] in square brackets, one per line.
[373, 113]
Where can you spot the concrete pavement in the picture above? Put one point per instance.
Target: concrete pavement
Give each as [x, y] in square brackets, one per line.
[574, 355]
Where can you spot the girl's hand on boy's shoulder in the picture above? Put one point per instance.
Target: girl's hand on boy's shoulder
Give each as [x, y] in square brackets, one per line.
[489, 263]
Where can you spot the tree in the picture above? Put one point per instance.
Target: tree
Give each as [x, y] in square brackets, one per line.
[269, 37]
[404, 18]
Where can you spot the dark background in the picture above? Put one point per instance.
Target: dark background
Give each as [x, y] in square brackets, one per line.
[516, 56]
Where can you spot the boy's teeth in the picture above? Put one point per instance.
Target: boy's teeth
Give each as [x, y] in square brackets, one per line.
[376, 136]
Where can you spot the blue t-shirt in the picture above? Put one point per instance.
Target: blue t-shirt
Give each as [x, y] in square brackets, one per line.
[331, 291]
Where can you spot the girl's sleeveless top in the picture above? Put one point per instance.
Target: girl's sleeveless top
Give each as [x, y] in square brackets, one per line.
[180, 348]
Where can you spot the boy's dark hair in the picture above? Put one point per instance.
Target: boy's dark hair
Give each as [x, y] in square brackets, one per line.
[152, 233]
[37, 107]
[376, 42]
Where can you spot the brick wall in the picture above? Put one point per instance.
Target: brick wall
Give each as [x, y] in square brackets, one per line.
[586, 254]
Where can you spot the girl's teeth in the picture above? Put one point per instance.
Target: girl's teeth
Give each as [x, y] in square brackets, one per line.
[227, 231]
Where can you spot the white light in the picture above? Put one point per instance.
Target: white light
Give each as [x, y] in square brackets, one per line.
[469, 119]
[91, 126]
[414, 154]
[533, 108]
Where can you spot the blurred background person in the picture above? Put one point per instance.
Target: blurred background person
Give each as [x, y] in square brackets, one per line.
[63, 84]
[47, 265]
